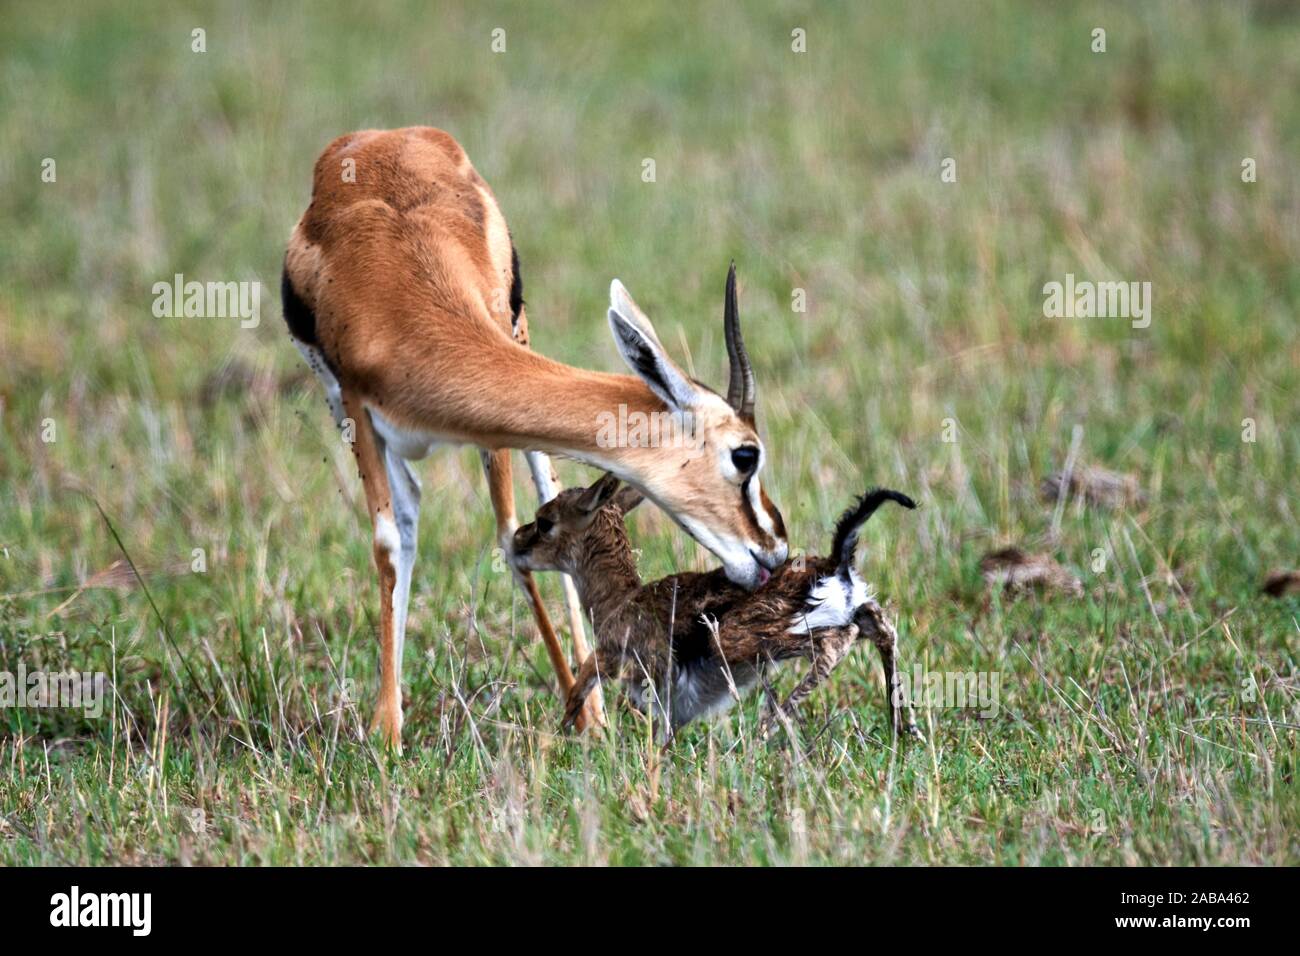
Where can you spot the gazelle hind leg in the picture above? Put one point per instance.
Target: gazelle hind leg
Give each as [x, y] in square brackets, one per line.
[405, 488]
[876, 627]
[393, 502]
[830, 646]
[548, 486]
[497, 467]
[388, 549]
[315, 360]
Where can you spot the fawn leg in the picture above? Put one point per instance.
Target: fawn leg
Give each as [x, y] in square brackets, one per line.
[829, 647]
[598, 662]
[874, 625]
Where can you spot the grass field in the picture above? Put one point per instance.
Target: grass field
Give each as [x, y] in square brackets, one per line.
[1152, 720]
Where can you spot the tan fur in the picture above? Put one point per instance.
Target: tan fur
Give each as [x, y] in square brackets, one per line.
[402, 279]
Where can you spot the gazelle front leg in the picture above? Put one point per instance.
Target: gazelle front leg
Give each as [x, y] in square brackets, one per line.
[497, 467]
[548, 486]
[393, 501]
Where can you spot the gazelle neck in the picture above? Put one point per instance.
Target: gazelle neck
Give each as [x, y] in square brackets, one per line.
[538, 403]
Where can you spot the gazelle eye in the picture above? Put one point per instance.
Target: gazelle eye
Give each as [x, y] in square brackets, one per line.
[544, 525]
[745, 458]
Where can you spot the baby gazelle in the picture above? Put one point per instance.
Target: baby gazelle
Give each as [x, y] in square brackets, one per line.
[696, 637]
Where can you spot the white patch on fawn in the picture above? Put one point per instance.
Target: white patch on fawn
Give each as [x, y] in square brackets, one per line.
[831, 603]
[699, 690]
[696, 694]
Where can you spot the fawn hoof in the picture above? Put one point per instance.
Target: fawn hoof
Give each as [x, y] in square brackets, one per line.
[580, 716]
[575, 720]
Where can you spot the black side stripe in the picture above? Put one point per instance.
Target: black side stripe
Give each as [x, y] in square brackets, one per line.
[516, 286]
[300, 319]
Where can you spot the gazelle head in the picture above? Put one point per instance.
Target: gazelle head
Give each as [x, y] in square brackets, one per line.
[709, 480]
[566, 528]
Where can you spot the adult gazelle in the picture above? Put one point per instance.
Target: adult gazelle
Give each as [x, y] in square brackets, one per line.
[402, 290]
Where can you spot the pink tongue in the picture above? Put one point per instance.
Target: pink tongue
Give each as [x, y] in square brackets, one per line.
[763, 575]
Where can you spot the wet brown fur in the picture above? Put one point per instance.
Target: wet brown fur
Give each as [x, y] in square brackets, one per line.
[646, 632]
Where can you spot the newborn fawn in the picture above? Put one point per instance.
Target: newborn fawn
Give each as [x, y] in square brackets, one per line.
[694, 638]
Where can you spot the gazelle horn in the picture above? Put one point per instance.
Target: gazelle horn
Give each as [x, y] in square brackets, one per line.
[741, 389]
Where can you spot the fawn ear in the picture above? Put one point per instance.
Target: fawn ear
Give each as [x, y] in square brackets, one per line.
[628, 498]
[595, 497]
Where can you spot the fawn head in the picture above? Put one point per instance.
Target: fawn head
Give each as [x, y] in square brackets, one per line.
[565, 527]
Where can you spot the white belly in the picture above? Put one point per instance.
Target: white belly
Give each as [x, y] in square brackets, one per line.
[406, 443]
[409, 443]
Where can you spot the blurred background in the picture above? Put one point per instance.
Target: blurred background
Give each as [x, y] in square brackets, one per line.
[895, 320]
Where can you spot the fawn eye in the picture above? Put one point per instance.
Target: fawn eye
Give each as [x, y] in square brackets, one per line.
[544, 525]
[745, 458]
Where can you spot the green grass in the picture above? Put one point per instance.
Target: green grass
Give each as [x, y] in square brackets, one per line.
[1127, 731]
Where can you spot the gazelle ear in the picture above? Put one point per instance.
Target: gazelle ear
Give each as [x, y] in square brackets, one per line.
[644, 353]
[595, 497]
[628, 498]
